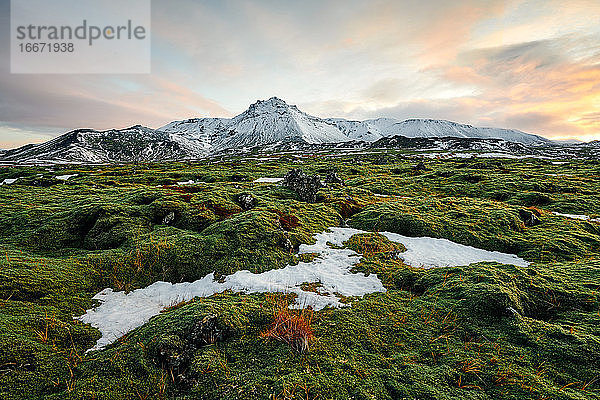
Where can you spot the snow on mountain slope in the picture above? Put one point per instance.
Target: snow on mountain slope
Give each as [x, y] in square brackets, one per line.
[273, 121]
[198, 135]
[267, 122]
[441, 128]
[137, 143]
[358, 130]
[375, 129]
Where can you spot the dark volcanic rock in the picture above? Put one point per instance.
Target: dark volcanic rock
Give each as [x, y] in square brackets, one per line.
[472, 178]
[171, 352]
[306, 186]
[239, 178]
[333, 177]
[445, 174]
[287, 244]
[246, 201]
[208, 331]
[170, 217]
[420, 167]
[529, 217]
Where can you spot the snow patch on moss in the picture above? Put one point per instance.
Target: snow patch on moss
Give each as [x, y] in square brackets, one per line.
[120, 312]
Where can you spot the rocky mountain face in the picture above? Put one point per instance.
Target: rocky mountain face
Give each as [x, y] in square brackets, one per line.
[264, 122]
[269, 123]
[133, 144]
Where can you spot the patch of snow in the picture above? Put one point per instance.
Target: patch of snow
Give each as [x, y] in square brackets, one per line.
[8, 181]
[190, 182]
[120, 312]
[427, 252]
[577, 216]
[268, 180]
[66, 177]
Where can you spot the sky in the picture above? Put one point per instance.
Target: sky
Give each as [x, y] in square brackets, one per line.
[528, 65]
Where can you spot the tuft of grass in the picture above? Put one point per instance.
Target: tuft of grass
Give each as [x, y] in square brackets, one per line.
[293, 327]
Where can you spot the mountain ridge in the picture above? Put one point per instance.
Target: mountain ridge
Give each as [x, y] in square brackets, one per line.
[265, 122]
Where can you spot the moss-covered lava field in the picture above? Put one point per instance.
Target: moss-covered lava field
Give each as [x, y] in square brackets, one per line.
[481, 331]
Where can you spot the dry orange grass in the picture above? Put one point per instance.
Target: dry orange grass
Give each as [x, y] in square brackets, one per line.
[291, 326]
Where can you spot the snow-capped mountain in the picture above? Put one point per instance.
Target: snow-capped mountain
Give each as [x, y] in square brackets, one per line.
[266, 122]
[137, 143]
[198, 135]
[375, 129]
[441, 128]
[274, 121]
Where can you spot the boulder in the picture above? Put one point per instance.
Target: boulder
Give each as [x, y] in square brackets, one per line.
[333, 178]
[170, 217]
[306, 186]
[246, 201]
[529, 217]
[420, 166]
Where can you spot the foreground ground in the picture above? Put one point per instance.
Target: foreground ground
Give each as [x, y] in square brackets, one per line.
[483, 331]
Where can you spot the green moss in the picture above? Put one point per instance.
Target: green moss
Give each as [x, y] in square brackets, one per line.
[481, 223]
[370, 244]
[484, 331]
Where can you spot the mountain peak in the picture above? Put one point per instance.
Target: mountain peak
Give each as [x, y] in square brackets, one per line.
[271, 104]
[274, 100]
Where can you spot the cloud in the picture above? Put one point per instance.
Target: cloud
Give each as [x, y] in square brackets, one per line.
[543, 86]
[105, 102]
[386, 90]
[486, 62]
[591, 120]
[460, 110]
[12, 136]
